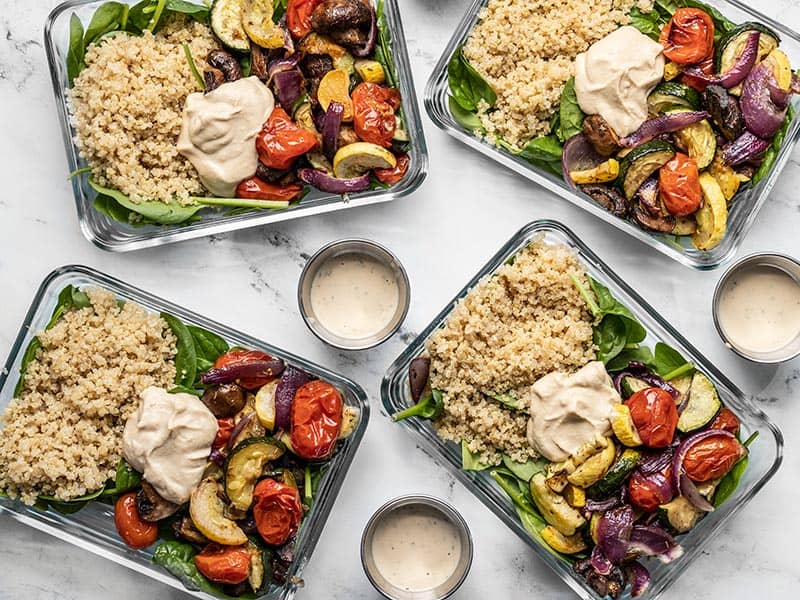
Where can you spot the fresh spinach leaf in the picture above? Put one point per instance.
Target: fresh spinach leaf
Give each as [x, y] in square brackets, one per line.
[570, 115]
[186, 357]
[668, 363]
[517, 490]
[609, 337]
[178, 558]
[68, 507]
[27, 358]
[208, 346]
[198, 12]
[126, 479]
[160, 5]
[279, 9]
[509, 400]
[115, 211]
[525, 471]
[466, 84]
[468, 120]
[469, 460]
[139, 17]
[642, 354]
[77, 49]
[182, 389]
[544, 151]
[383, 50]
[155, 211]
[108, 17]
[649, 23]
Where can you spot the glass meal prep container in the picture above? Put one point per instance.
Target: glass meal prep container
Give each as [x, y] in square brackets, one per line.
[92, 527]
[765, 453]
[742, 210]
[112, 235]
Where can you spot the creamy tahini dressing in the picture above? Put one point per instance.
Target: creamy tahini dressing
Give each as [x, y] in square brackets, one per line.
[219, 131]
[415, 548]
[568, 411]
[354, 296]
[616, 74]
[759, 309]
[168, 441]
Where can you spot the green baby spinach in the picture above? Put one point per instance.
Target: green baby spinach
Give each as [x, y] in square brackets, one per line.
[471, 461]
[570, 115]
[383, 49]
[543, 151]
[429, 407]
[186, 355]
[649, 23]
[525, 471]
[466, 84]
[728, 484]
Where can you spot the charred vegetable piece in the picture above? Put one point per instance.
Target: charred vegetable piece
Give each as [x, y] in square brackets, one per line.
[612, 584]
[575, 496]
[745, 148]
[561, 543]
[641, 163]
[334, 185]
[699, 141]
[657, 126]
[670, 95]
[763, 105]
[648, 197]
[663, 224]
[213, 78]
[702, 406]
[554, 507]
[315, 66]
[600, 135]
[730, 47]
[184, 529]
[225, 62]
[593, 468]
[608, 198]
[680, 514]
[418, 372]
[226, 22]
[151, 506]
[578, 155]
[315, 43]
[247, 370]
[616, 475]
[258, 63]
[712, 217]
[224, 400]
[207, 511]
[291, 380]
[244, 467]
[257, 23]
[726, 177]
[333, 16]
[724, 111]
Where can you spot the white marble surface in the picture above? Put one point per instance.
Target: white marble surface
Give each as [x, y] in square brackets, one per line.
[465, 210]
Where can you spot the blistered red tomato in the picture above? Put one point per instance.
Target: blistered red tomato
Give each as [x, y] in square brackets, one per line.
[373, 113]
[298, 16]
[257, 189]
[282, 141]
[679, 185]
[238, 357]
[277, 511]
[390, 176]
[655, 416]
[648, 492]
[134, 531]
[224, 564]
[726, 420]
[316, 419]
[224, 429]
[688, 38]
[712, 457]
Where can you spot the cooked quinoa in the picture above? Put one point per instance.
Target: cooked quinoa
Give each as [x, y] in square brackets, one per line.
[515, 326]
[62, 436]
[526, 49]
[126, 107]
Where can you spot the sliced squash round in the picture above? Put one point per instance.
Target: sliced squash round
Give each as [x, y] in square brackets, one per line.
[554, 507]
[640, 163]
[593, 468]
[559, 542]
[712, 217]
[623, 426]
[244, 467]
[732, 45]
[701, 407]
[226, 23]
[208, 514]
[265, 404]
[257, 23]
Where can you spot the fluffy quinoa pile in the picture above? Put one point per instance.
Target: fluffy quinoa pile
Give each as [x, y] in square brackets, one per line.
[127, 106]
[62, 436]
[526, 49]
[522, 322]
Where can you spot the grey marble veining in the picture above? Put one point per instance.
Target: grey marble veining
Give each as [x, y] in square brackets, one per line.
[465, 210]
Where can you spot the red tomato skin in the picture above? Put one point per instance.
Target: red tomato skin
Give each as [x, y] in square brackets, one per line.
[644, 491]
[316, 420]
[282, 141]
[224, 428]
[298, 13]
[133, 530]
[726, 421]
[277, 511]
[255, 189]
[224, 564]
[712, 457]
[688, 38]
[373, 113]
[235, 357]
[679, 185]
[392, 176]
[655, 416]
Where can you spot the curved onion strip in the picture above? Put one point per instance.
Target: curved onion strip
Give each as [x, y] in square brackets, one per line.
[578, 155]
[740, 69]
[666, 123]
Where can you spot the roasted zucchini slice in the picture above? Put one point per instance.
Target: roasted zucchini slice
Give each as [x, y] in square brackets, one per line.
[616, 475]
[208, 514]
[226, 23]
[702, 406]
[670, 95]
[554, 507]
[698, 140]
[630, 385]
[712, 217]
[680, 514]
[594, 467]
[732, 45]
[559, 542]
[257, 23]
[602, 173]
[684, 226]
[726, 177]
[245, 465]
[641, 162]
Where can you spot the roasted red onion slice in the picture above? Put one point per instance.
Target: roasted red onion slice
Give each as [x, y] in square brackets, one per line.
[746, 148]
[649, 540]
[288, 87]
[679, 479]
[762, 115]
[645, 375]
[639, 578]
[579, 155]
[599, 562]
[738, 72]
[284, 64]
[333, 185]
[666, 123]
[247, 370]
[217, 457]
[330, 129]
[372, 37]
[692, 494]
[237, 429]
[655, 462]
[614, 532]
[291, 380]
[602, 505]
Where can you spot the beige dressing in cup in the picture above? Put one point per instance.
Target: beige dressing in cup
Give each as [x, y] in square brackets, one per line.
[354, 296]
[759, 309]
[416, 548]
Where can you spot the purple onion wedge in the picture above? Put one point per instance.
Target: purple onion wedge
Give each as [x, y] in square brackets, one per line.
[579, 155]
[331, 127]
[650, 540]
[333, 185]
[288, 86]
[248, 370]
[761, 115]
[666, 123]
[746, 148]
[600, 563]
[237, 429]
[602, 505]
[639, 578]
[291, 380]
[738, 72]
[655, 462]
[280, 65]
[614, 532]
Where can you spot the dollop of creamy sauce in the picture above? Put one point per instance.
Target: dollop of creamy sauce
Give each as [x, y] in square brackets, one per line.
[168, 441]
[759, 309]
[567, 411]
[219, 131]
[416, 548]
[616, 74]
[354, 296]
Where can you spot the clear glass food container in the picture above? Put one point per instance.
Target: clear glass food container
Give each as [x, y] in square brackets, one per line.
[92, 528]
[112, 235]
[742, 211]
[766, 451]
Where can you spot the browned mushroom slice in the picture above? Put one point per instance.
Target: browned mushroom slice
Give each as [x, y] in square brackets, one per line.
[648, 197]
[227, 63]
[213, 78]
[648, 221]
[151, 506]
[600, 135]
[184, 529]
[339, 15]
[258, 63]
[608, 198]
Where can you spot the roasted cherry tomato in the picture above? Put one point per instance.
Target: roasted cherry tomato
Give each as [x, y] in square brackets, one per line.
[316, 419]
[237, 357]
[726, 421]
[655, 416]
[688, 38]
[224, 564]
[374, 107]
[712, 457]
[679, 185]
[224, 429]
[298, 16]
[276, 510]
[648, 492]
[282, 141]
[390, 176]
[694, 82]
[258, 189]
[133, 530]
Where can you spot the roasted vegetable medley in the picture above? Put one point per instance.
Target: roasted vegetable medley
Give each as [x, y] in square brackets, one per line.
[714, 119]
[666, 453]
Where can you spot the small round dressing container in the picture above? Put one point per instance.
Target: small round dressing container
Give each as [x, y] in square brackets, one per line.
[373, 547]
[769, 303]
[346, 294]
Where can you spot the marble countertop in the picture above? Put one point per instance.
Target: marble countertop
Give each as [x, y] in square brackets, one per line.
[466, 209]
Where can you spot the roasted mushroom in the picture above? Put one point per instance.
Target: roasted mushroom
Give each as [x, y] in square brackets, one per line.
[213, 78]
[224, 400]
[654, 223]
[611, 585]
[151, 506]
[314, 66]
[648, 197]
[600, 135]
[347, 135]
[184, 529]
[724, 111]
[335, 17]
[258, 63]
[225, 62]
[608, 198]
